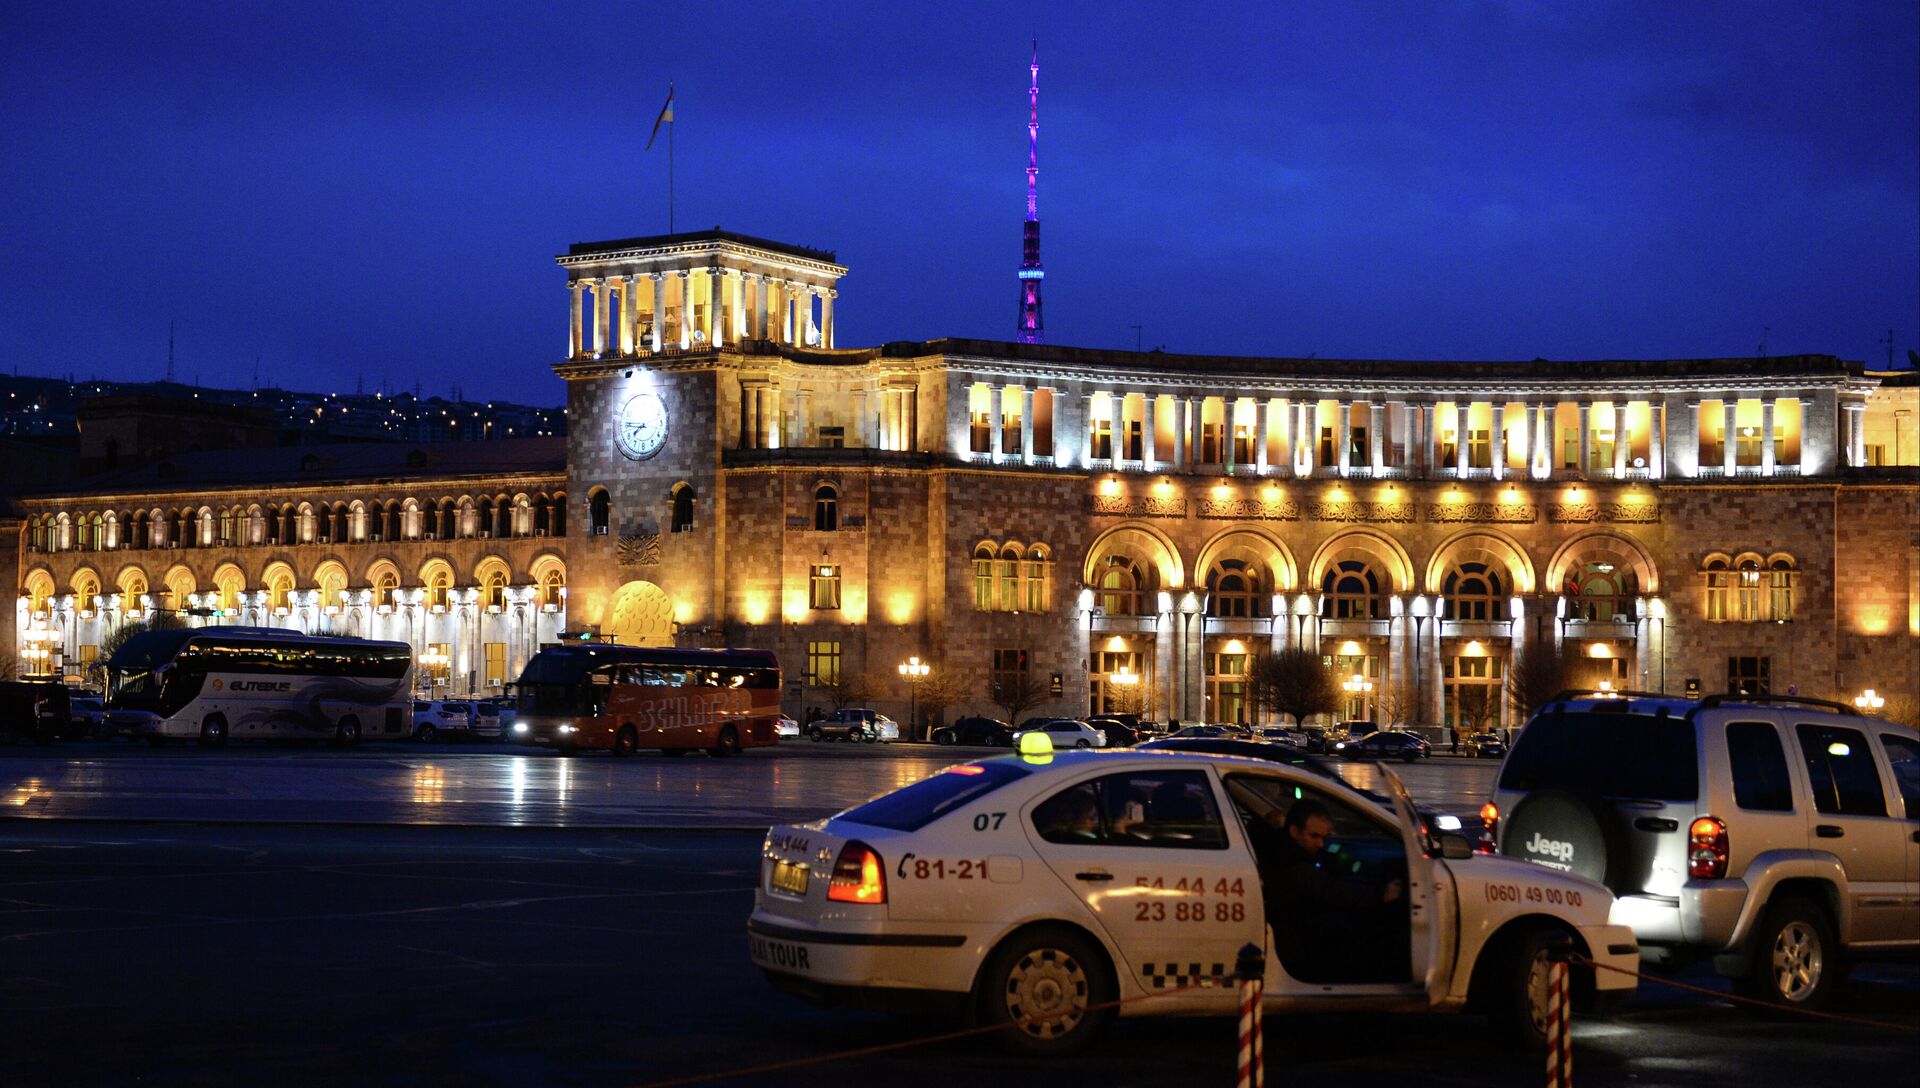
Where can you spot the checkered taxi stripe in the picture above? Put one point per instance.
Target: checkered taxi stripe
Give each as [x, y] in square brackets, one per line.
[1172, 974]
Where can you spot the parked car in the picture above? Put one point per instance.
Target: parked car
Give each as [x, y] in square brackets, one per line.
[1282, 735]
[975, 729]
[1192, 732]
[89, 714]
[784, 726]
[1120, 732]
[1386, 744]
[35, 710]
[484, 721]
[436, 717]
[1322, 738]
[1068, 733]
[1772, 835]
[1485, 745]
[1278, 753]
[854, 724]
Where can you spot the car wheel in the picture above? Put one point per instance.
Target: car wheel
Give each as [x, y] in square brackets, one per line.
[1518, 1008]
[346, 733]
[626, 742]
[1792, 957]
[946, 737]
[1082, 743]
[727, 743]
[813, 734]
[869, 736]
[423, 733]
[213, 731]
[1046, 986]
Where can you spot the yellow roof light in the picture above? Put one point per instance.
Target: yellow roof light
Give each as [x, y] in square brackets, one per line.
[1036, 744]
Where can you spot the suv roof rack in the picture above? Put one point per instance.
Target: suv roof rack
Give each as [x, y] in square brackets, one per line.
[1581, 693]
[1711, 701]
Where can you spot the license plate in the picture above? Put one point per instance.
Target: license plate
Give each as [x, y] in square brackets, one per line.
[791, 877]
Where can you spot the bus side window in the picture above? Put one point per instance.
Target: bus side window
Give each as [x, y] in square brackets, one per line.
[651, 676]
[762, 679]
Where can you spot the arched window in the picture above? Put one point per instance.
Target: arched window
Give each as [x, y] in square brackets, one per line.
[86, 593]
[983, 599]
[230, 586]
[133, 586]
[1780, 578]
[1039, 579]
[826, 508]
[439, 588]
[1233, 590]
[553, 587]
[1350, 590]
[496, 589]
[1747, 597]
[1718, 577]
[443, 529]
[1007, 574]
[1600, 591]
[226, 527]
[280, 592]
[543, 516]
[385, 585]
[1473, 593]
[484, 510]
[560, 514]
[97, 533]
[289, 525]
[600, 512]
[1122, 586]
[332, 584]
[683, 499]
[36, 534]
[180, 588]
[39, 590]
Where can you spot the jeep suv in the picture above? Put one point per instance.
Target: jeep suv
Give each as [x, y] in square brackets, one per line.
[1779, 836]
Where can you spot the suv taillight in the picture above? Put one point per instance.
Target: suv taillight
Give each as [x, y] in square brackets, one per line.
[1707, 849]
[858, 876]
[1490, 827]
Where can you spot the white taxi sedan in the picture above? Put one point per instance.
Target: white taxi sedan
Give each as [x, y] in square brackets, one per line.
[1030, 890]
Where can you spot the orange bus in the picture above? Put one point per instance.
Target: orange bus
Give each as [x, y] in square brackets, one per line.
[625, 698]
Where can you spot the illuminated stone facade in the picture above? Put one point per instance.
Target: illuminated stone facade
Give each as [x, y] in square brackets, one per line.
[1137, 525]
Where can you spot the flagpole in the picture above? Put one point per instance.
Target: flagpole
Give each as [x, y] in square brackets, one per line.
[669, 175]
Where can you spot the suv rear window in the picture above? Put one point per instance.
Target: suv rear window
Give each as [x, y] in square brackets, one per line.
[927, 800]
[1605, 754]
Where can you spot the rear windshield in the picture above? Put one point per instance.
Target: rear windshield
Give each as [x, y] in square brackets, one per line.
[927, 800]
[1600, 754]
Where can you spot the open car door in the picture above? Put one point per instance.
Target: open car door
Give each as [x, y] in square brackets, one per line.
[1430, 901]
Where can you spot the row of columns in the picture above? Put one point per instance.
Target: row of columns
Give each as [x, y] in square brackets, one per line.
[738, 306]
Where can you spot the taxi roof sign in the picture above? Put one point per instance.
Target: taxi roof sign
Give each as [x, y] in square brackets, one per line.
[1036, 744]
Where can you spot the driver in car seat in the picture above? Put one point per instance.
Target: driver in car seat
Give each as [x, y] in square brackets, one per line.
[1324, 929]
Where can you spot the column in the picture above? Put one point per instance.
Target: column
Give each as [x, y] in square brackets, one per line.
[1427, 450]
[1377, 437]
[573, 324]
[1116, 416]
[1147, 452]
[1086, 443]
[1196, 415]
[715, 327]
[737, 295]
[1766, 437]
[1026, 424]
[802, 432]
[996, 422]
[1540, 453]
[1497, 440]
[802, 313]
[770, 418]
[1857, 433]
[746, 416]
[1260, 435]
[1693, 430]
[1728, 447]
[1619, 439]
[826, 319]
[686, 308]
[1462, 410]
[659, 310]
[1656, 437]
[1586, 437]
[1305, 441]
[626, 313]
[1342, 434]
[1182, 455]
[602, 316]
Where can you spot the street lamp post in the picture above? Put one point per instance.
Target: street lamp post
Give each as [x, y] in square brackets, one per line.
[1869, 700]
[1359, 687]
[913, 671]
[1092, 614]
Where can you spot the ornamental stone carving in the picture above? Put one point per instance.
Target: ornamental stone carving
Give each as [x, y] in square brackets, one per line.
[1145, 506]
[1618, 512]
[1349, 510]
[1497, 512]
[638, 550]
[1249, 510]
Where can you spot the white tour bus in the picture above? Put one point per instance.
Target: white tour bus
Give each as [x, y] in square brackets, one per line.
[221, 683]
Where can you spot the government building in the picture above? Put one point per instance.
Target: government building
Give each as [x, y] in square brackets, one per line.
[1121, 530]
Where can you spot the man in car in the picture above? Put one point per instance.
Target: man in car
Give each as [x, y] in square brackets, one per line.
[1324, 929]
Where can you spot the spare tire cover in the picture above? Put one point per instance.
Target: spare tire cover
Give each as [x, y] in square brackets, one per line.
[1559, 831]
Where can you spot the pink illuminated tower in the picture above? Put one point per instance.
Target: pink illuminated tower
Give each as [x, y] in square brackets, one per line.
[1031, 274]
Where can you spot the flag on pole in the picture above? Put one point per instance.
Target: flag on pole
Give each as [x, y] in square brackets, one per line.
[665, 118]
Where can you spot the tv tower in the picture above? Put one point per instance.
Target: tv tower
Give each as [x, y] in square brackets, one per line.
[1031, 274]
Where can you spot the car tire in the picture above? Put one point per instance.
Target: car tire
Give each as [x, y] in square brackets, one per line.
[726, 744]
[1517, 1009]
[346, 732]
[813, 734]
[423, 733]
[626, 742]
[1793, 957]
[1082, 743]
[870, 736]
[1046, 986]
[945, 737]
[213, 731]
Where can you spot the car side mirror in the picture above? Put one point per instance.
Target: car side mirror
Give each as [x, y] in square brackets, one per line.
[1454, 846]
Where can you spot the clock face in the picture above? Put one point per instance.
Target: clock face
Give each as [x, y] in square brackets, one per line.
[643, 426]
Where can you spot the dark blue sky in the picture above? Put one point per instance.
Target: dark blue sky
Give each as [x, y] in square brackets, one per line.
[379, 189]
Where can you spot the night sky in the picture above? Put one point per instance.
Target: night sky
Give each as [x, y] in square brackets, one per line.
[377, 190]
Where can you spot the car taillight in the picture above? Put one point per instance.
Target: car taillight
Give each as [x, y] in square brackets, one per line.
[1490, 827]
[858, 876]
[1707, 849]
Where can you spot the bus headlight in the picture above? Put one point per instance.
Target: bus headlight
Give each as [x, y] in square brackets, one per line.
[565, 729]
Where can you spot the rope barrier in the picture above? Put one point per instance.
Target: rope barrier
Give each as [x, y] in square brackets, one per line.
[907, 1044]
[1737, 999]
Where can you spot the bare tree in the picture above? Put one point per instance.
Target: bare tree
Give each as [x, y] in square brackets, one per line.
[1397, 704]
[940, 690]
[1017, 693]
[1479, 707]
[851, 689]
[1294, 682]
[1543, 671]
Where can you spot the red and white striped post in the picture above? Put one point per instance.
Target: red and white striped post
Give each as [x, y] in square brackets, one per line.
[1251, 970]
[1559, 1020]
